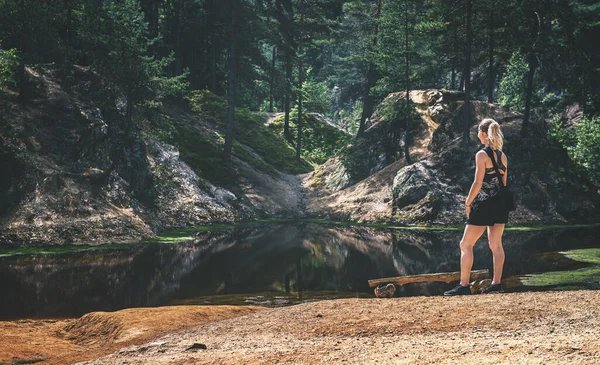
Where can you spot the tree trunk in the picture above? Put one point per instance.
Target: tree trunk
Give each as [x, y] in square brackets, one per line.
[407, 136]
[300, 81]
[213, 66]
[231, 89]
[288, 95]
[368, 101]
[453, 82]
[178, 31]
[129, 111]
[211, 45]
[367, 109]
[272, 80]
[467, 77]
[491, 59]
[535, 29]
[444, 277]
[528, 93]
[22, 85]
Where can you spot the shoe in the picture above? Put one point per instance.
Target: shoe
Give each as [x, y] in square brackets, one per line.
[494, 288]
[459, 290]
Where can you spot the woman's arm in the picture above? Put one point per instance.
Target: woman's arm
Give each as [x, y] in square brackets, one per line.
[479, 174]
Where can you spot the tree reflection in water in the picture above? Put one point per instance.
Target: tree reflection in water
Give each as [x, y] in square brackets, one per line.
[283, 259]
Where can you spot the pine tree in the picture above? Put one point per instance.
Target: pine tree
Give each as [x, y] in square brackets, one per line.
[116, 36]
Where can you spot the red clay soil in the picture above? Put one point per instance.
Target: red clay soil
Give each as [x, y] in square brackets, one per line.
[513, 328]
[67, 341]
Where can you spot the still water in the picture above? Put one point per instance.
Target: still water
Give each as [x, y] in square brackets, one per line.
[271, 264]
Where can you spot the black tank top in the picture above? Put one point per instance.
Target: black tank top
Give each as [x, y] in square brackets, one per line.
[491, 184]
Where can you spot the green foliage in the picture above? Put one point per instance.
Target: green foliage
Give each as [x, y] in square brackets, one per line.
[249, 131]
[208, 106]
[157, 125]
[582, 142]
[353, 159]
[511, 91]
[119, 39]
[320, 140]
[201, 154]
[349, 117]
[315, 95]
[586, 152]
[8, 64]
[394, 109]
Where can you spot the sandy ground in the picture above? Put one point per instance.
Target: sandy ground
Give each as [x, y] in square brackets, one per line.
[512, 328]
[67, 341]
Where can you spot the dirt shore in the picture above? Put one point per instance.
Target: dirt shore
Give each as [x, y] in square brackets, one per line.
[525, 328]
[96, 334]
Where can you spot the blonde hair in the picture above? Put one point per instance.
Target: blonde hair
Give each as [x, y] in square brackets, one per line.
[495, 137]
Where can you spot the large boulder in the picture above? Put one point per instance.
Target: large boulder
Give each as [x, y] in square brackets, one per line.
[422, 193]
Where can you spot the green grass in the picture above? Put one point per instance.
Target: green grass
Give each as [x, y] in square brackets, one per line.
[569, 278]
[320, 141]
[251, 132]
[201, 154]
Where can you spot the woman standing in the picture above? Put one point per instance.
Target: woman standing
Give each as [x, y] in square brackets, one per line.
[484, 211]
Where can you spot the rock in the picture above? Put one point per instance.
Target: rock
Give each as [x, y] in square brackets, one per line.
[425, 193]
[478, 286]
[411, 185]
[196, 346]
[386, 291]
[572, 115]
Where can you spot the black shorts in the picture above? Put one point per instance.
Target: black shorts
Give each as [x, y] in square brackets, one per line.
[487, 213]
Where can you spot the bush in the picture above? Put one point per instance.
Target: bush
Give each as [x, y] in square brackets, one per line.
[582, 142]
[8, 65]
[511, 91]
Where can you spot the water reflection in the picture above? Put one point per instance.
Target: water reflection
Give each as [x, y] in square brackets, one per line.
[290, 260]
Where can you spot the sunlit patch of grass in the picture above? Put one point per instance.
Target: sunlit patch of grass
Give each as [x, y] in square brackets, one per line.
[551, 226]
[569, 278]
[250, 131]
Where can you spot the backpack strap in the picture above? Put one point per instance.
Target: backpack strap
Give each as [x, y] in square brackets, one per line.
[490, 153]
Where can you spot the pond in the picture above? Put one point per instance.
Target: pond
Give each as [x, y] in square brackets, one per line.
[273, 264]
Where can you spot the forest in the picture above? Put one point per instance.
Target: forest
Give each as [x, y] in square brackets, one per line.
[334, 57]
[245, 171]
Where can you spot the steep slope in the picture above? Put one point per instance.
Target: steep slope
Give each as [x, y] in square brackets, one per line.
[371, 181]
[71, 178]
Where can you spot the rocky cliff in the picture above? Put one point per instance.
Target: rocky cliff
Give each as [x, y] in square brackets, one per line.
[68, 179]
[372, 181]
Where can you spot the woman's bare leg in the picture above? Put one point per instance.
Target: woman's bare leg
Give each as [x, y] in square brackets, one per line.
[470, 236]
[495, 238]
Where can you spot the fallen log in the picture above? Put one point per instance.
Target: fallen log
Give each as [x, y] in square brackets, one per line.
[446, 277]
